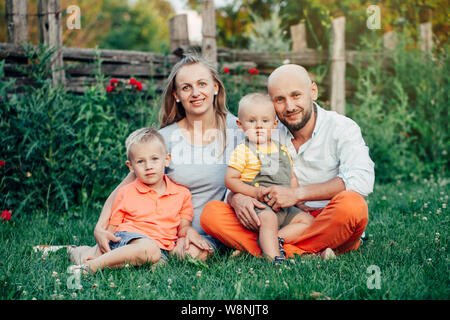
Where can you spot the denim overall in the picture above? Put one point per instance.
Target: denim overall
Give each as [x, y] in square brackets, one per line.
[276, 169]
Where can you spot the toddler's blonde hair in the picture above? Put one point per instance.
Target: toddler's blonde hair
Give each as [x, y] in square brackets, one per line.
[253, 98]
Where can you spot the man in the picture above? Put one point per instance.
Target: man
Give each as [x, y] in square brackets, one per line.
[333, 167]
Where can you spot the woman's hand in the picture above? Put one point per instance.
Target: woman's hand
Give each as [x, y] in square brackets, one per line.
[244, 207]
[103, 236]
[192, 237]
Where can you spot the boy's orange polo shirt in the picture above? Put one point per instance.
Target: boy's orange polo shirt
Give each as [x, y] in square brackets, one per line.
[138, 208]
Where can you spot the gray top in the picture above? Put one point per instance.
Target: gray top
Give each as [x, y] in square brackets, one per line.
[201, 168]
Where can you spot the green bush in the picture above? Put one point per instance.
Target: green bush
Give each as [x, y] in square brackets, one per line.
[402, 107]
[62, 151]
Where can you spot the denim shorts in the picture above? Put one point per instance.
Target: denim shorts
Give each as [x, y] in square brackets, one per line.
[127, 236]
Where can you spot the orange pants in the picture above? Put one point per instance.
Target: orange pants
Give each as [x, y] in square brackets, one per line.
[337, 226]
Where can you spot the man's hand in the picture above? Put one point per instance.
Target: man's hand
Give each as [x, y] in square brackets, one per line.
[103, 236]
[280, 197]
[244, 207]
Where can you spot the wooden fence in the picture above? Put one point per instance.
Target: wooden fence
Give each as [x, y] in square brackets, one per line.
[75, 67]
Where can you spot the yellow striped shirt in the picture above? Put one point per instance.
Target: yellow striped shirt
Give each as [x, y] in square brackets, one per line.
[247, 163]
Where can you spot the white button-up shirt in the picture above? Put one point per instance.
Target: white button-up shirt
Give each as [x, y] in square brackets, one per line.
[336, 149]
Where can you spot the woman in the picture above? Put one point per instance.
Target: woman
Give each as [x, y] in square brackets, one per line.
[200, 133]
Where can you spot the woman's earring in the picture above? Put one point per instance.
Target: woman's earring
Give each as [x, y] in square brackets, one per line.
[215, 93]
[178, 101]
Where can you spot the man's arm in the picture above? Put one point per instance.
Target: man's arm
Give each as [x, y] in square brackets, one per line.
[280, 197]
[356, 168]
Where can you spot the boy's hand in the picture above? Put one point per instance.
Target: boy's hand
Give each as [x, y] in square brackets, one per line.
[193, 237]
[103, 236]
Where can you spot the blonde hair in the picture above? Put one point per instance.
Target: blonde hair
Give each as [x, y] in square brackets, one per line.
[253, 98]
[172, 111]
[143, 135]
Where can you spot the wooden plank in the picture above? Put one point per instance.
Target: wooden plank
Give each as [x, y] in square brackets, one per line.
[17, 21]
[119, 56]
[116, 70]
[307, 57]
[50, 33]
[337, 56]
[426, 37]
[298, 36]
[179, 34]
[209, 44]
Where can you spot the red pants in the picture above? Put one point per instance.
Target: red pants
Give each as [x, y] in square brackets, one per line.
[337, 226]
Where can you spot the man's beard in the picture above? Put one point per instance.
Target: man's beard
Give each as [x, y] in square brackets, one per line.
[297, 126]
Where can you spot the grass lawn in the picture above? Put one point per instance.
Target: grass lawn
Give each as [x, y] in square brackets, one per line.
[408, 242]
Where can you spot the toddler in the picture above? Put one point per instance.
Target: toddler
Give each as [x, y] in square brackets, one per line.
[259, 163]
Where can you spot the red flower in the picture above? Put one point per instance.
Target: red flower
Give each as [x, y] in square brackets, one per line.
[109, 88]
[138, 86]
[226, 70]
[2, 163]
[253, 71]
[6, 215]
[113, 82]
[133, 81]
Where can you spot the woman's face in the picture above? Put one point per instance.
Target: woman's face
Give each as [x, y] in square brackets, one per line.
[195, 88]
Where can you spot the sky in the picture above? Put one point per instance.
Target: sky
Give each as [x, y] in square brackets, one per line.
[194, 18]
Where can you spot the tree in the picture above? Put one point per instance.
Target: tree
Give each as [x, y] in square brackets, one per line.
[113, 24]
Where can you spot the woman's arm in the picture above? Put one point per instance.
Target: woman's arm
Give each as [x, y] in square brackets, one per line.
[101, 234]
[191, 235]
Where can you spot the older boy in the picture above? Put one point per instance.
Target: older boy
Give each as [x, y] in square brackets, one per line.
[148, 214]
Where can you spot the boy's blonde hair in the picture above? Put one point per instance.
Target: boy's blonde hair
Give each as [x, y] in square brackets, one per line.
[252, 98]
[142, 135]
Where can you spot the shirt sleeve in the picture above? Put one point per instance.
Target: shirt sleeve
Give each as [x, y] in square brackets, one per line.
[356, 168]
[238, 158]
[118, 211]
[187, 209]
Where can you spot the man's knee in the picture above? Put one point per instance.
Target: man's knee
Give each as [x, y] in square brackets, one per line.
[208, 217]
[350, 206]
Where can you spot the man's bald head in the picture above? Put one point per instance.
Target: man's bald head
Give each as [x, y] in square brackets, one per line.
[289, 71]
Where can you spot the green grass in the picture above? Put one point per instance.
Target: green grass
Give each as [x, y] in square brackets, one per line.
[408, 241]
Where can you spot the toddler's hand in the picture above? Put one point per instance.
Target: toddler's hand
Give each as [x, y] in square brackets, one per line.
[261, 192]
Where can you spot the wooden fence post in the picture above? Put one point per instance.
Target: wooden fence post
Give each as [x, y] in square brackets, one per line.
[298, 36]
[179, 34]
[209, 45]
[426, 37]
[390, 40]
[337, 96]
[50, 33]
[17, 21]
